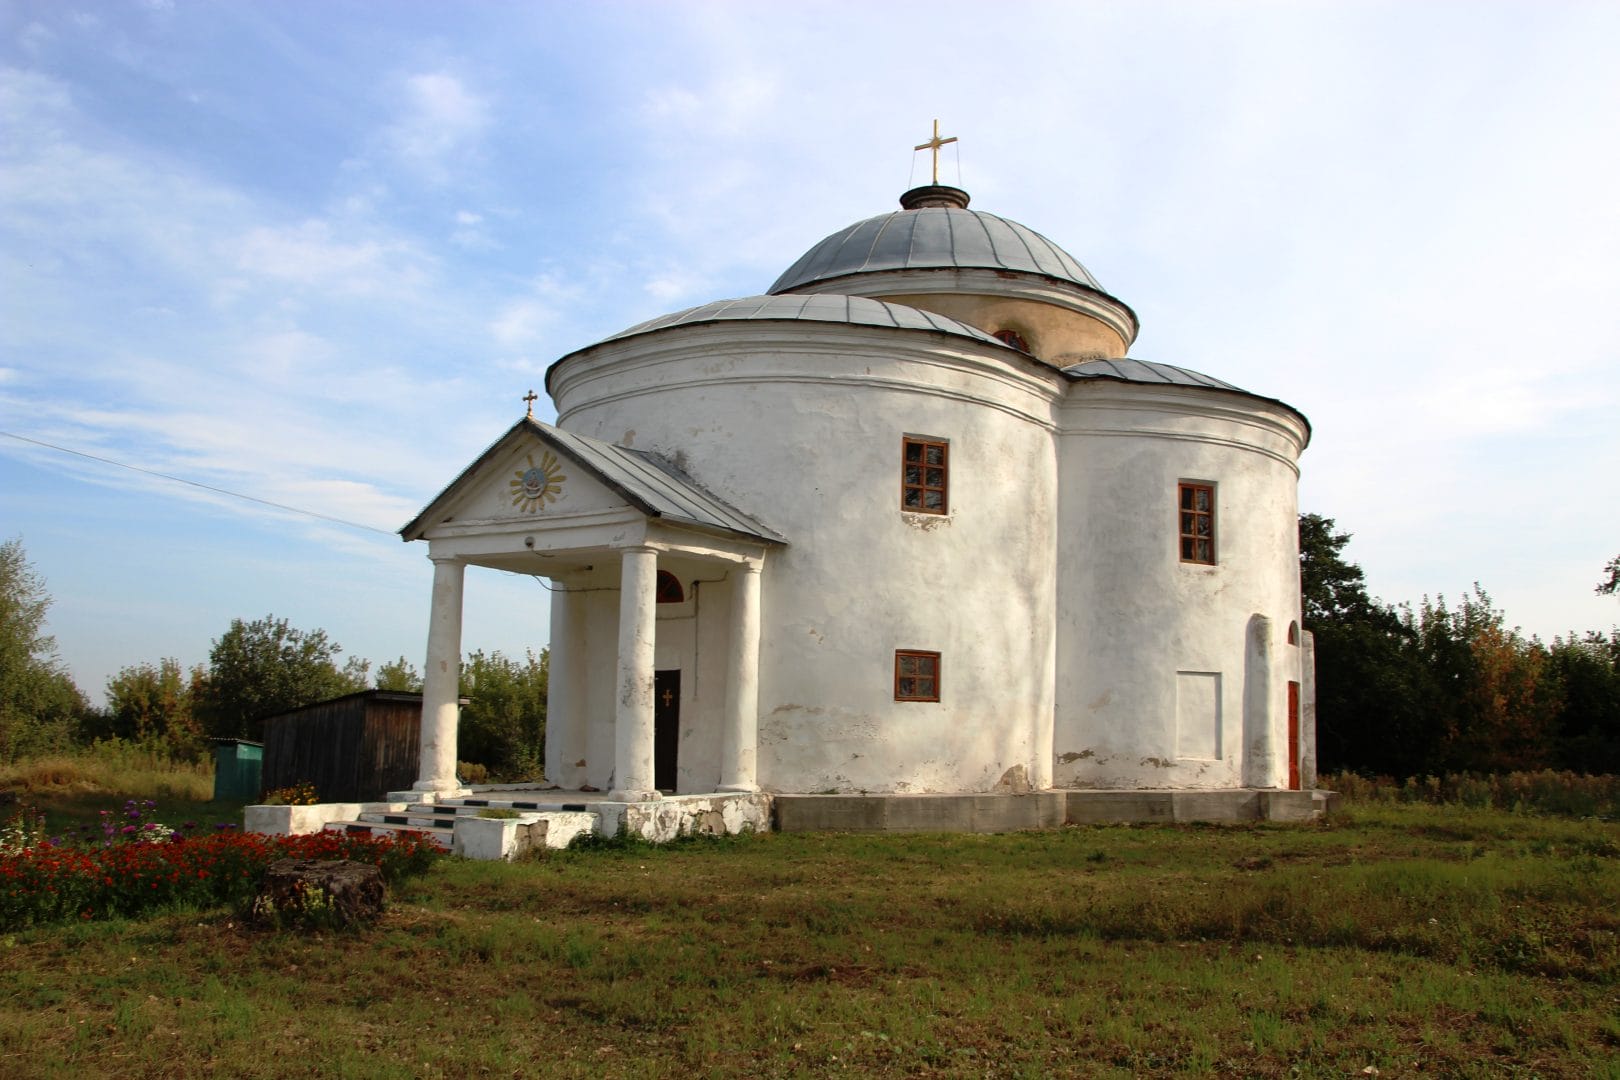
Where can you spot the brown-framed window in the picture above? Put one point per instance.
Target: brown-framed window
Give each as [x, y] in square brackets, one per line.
[916, 675]
[924, 465]
[1197, 523]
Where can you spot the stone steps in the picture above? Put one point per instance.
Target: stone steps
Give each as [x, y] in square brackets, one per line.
[551, 825]
[444, 837]
[530, 806]
[454, 823]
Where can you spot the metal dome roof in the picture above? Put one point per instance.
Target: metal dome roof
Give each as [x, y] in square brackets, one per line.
[1126, 369]
[934, 237]
[831, 308]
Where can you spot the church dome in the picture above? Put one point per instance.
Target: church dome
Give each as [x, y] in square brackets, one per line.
[936, 230]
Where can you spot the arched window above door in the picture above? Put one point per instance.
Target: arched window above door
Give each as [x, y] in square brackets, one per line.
[669, 588]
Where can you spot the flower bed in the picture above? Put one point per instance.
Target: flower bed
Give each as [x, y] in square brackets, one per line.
[50, 882]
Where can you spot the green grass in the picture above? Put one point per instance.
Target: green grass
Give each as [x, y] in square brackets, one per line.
[1408, 938]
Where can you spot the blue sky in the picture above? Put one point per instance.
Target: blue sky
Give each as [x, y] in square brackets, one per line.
[316, 253]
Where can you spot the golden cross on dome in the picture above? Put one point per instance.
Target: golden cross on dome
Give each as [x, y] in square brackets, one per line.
[531, 397]
[934, 144]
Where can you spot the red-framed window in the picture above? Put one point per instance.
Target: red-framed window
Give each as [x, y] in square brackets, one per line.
[924, 475]
[916, 675]
[1197, 505]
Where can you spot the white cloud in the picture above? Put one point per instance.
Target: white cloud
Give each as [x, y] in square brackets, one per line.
[34, 37]
[310, 255]
[441, 125]
[673, 286]
[523, 322]
[469, 234]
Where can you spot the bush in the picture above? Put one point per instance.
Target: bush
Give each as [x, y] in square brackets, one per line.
[114, 765]
[1545, 791]
[299, 794]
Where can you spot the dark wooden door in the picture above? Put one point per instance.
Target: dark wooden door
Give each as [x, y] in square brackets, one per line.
[666, 727]
[1293, 736]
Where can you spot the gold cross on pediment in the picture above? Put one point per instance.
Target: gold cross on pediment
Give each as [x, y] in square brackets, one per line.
[531, 397]
[934, 144]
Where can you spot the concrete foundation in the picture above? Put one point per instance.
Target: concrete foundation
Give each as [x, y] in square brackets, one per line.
[1040, 810]
[552, 818]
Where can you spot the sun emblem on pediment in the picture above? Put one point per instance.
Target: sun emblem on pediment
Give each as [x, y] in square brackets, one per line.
[537, 485]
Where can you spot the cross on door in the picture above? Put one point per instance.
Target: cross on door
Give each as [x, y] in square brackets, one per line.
[668, 697]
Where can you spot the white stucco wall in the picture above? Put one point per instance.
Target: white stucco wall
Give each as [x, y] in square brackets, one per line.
[801, 426]
[1156, 683]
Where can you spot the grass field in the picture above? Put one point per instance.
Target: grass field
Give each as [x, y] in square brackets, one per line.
[1407, 939]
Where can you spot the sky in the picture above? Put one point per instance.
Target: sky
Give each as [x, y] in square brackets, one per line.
[315, 253]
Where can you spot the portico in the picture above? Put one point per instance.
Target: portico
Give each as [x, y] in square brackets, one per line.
[634, 555]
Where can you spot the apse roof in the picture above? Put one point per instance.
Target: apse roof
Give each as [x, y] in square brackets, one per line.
[934, 237]
[1126, 369]
[851, 310]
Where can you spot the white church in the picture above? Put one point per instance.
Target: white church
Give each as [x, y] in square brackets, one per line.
[909, 523]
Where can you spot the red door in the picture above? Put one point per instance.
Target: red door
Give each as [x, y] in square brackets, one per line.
[1293, 736]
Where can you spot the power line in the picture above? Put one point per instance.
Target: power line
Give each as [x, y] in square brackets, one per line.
[197, 484]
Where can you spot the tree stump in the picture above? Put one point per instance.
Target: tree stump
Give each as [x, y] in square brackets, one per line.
[314, 891]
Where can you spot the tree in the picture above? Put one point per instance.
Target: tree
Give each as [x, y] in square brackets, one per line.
[1495, 704]
[1587, 671]
[1331, 587]
[265, 667]
[157, 706]
[1610, 585]
[399, 675]
[1373, 694]
[39, 706]
[503, 724]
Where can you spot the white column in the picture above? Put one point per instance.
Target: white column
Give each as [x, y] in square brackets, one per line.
[740, 734]
[441, 681]
[633, 703]
[565, 690]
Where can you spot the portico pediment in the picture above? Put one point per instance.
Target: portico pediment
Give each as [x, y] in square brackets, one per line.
[537, 478]
[522, 481]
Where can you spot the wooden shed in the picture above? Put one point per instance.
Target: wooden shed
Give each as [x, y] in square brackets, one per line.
[355, 748]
